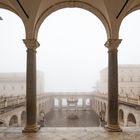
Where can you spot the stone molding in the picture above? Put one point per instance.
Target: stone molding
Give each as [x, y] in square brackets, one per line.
[112, 44]
[31, 43]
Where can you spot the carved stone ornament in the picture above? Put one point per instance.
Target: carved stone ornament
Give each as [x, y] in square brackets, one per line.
[112, 44]
[31, 43]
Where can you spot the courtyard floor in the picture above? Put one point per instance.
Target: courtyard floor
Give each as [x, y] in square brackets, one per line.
[60, 119]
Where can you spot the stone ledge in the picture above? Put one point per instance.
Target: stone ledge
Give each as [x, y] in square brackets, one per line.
[70, 133]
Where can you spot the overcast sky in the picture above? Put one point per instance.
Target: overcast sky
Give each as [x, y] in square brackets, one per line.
[71, 52]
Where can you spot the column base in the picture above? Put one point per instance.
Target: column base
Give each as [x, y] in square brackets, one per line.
[31, 129]
[113, 128]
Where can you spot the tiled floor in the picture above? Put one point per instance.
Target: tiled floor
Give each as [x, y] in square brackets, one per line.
[69, 133]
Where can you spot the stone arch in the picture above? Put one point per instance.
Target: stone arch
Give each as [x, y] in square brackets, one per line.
[131, 119]
[10, 9]
[133, 9]
[121, 116]
[73, 4]
[13, 121]
[2, 123]
[23, 118]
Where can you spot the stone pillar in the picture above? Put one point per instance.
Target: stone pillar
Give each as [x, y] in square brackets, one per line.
[125, 119]
[60, 104]
[84, 104]
[19, 120]
[112, 45]
[31, 106]
[5, 102]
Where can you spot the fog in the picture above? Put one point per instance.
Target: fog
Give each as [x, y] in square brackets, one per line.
[71, 52]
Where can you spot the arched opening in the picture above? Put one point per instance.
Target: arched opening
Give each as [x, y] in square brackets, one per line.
[67, 51]
[13, 121]
[56, 102]
[23, 118]
[129, 68]
[12, 54]
[64, 102]
[2, 123]
[70, 62]
[80, 102]
[88, 102]
[121, 117]
[131, 120]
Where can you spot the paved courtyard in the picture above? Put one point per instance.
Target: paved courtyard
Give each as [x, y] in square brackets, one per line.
[59, 119]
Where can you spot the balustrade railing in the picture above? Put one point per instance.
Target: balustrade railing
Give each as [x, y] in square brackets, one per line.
[11, 101]
[127, 99]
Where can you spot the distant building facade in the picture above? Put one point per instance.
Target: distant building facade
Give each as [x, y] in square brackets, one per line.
[128, 80]
[14, 84]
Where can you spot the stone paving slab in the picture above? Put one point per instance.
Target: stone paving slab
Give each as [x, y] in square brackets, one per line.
[65, 133]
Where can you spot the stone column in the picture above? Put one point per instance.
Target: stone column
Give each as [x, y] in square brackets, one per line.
[31, 106]
[60, 104]
[125, 119]
[112, 45]
[84, 104]
[19, 120]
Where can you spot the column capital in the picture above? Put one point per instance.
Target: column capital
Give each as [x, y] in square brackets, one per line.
[112, 44]
[31, 43]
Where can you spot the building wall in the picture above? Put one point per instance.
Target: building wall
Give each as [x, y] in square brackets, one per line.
[128, 80]
[14, 84]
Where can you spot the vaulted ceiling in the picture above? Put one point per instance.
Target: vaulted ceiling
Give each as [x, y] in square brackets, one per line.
[33, 12]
